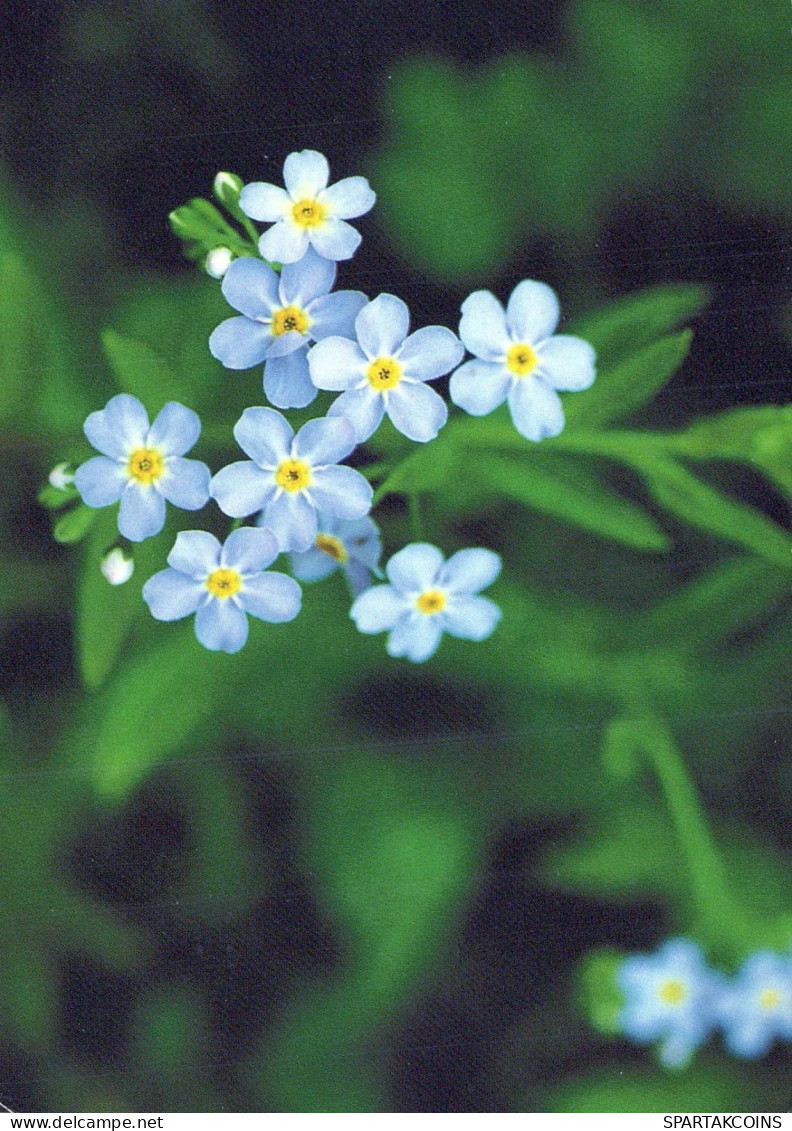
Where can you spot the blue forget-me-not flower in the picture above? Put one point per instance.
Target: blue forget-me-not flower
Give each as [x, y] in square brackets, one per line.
[222, 584]
[755, 1007]
[428, 596]
[142, 465]
[519, 358]
[385, 371]
[280, 315]
[351, 545]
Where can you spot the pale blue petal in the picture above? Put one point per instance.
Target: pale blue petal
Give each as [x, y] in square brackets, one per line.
[349, 197]
[361, 539]
[414, 568]
[469, 571]
[264, 435]
[335, 239]
[378, 609]
[382, 326]
[287, 343]
[287, 381]
[195, 553]
[417, 411]
[479, 387]
[535, 409]
[175, 430]
[293, 521]
[310, 278]
[430, 352]
[358, 576]
[416, 637]
[749, 1039]
[324, 441]
[335, 315]
[313, 565]
[472, 618]
[271, 596]
[532, 312]
[171, 595]
[305, 173]
[251, 287]
[100, 481]
[341, 491]
[185, 483]
[567, 363]
[242, 489]
[363, 408]
[120, 427]
[249, 549]
[265, 202]
[239, 343]
[221, 626]
[483, 326]
[336, 363]
[141, 514]
[285, 242]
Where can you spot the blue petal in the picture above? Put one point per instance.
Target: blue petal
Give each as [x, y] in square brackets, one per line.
[567, 363]
[240, 343]
[416, 637]
[535, 409]
[324, 441]
[532, 312]
[171, 595]
[307, 280]
[472, 618]
[265, 202]
[186, 483]
[469, 571]
[195, 553]
[363, 408]
[417, 411]
[336, 363]
[305, 173]
[335, 239]
[249, 549]
[378, 609]
[335, 315]
[271, 596]
[430, 352]
[221, 625]
[483, 326]
[120, 427]
[285, 242]
[141, 514]
[242, 488]
[415, 568]
[287, 380]
[312, 565]
[382, 326]
[341, 491]
[479, 387]
[175, 430]
[349, 197]
[293, 521]
[100, 481]
[264, 435]
[252, 288]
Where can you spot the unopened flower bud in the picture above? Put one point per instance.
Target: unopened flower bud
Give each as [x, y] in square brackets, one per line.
[117, 567]
[218, 261]
[61, 477]
[227, 187]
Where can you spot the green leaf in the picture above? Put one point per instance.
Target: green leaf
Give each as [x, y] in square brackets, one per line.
[74, 525]
[139, 369]
[54, 498]
[200, 223]
[698, 1088]
[622, 388]
[553, 484]
[599, 994]
[621, 327]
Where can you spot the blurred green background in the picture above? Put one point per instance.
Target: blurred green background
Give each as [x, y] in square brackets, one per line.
[308, 877]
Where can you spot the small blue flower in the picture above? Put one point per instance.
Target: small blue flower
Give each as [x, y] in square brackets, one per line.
[221, 585]
[756, 1007]
[352, 546]
[428, 596]
[141, 465]
[385, 371]
[518, 357]
[671, 997]
[290, 478]
[280, 315]
[308, 212]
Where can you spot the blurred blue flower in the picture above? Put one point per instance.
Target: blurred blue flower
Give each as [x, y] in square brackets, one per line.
[756, 1006]
[671, 997]
[518, 357]
[307, 212]
[290, 478]
[428, 596]
[221, 584]
[350, 545]
[385, 370]
[141, 465]
[280, 315]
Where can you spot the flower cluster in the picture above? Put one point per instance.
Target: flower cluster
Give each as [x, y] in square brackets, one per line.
[674, 998]
[294, 490]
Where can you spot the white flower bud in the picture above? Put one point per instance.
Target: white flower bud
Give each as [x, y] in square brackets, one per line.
[61, 477]
[218, 261]
[117, 567]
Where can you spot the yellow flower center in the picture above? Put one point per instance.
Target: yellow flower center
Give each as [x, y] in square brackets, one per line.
[308, 213]
[332, 546]
[293, 475]
[672, 992]
[146, 465]
[431, 601]
[384, 373]
[223, 583]
[522, 359]
[769, 999]
[290, 318]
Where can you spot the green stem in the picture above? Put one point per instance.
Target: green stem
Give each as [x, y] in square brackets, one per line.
[416, 521]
